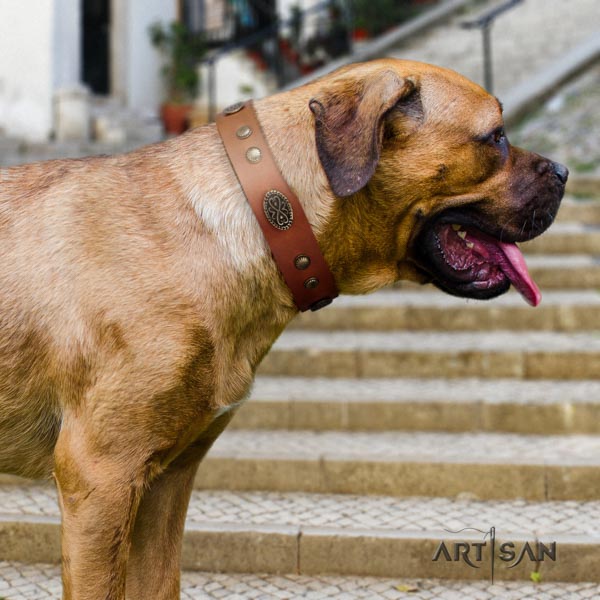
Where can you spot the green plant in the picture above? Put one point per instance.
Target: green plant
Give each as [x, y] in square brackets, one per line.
[182, 50]
[375, 16]
[246, 89]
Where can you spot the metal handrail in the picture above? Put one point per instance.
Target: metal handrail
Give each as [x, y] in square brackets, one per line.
[484, 21]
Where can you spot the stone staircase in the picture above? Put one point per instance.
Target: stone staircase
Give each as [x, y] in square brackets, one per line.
[382, 424]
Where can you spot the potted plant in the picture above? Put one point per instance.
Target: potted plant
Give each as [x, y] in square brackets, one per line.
[373, 17]
[182, 51]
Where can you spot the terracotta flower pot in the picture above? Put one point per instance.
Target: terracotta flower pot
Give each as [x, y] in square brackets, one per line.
[360, 34]
[175, 117]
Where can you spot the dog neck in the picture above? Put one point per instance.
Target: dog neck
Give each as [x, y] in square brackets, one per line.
[277, 209]
[290, 135]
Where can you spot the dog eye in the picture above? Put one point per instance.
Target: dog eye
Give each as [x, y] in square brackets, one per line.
[499, 137]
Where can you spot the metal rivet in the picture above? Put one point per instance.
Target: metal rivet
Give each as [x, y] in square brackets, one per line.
[253, 154]
[243, 132]
[311, 283]
[231, 110]
[302, 262]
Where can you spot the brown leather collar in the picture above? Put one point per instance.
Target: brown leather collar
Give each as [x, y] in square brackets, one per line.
[277, 209]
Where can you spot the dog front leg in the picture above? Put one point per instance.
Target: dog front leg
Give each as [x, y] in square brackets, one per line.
[99, 494]
[153, 570]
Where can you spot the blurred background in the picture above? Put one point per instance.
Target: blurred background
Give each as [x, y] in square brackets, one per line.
[81, 76]
[376, 425]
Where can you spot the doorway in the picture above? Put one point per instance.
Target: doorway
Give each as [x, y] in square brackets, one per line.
[96, 45]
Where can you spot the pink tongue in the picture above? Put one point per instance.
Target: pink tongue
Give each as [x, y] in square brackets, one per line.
[516, 270]
[509, 259]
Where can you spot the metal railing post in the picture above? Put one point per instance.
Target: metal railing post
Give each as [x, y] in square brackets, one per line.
[212, 89]
[488, 75]
[484, 22]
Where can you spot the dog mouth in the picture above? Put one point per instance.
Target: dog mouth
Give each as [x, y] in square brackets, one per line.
[463, 260]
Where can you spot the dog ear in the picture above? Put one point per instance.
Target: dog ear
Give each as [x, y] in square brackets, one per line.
[349, 126]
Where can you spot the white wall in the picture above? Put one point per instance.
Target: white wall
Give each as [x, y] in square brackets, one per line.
[236, 79]
[136, 64]
[26, 68]
[284, 7]
[39, 53]
[67, 43]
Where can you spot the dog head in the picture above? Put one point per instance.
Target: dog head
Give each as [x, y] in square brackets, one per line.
[427, 185]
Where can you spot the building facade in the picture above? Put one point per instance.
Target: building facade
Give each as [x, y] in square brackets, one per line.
[56, 55]
[53, 51]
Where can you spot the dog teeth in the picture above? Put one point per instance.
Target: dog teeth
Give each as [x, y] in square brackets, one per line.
[470, 245]
[460, 232]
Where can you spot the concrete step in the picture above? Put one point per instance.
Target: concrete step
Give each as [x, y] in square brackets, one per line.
[486, 465]
[459, 405]
[19, 581]
[566, 238]
[586, 211]
[565, 271]
[430, 309]
[313, 534]
[499, 354]
[551, 272]
[582, 185]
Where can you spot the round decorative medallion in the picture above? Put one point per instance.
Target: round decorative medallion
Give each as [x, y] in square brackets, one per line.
[278, 210]
[231, 110]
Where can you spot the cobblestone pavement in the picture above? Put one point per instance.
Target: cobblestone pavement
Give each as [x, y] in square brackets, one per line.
[386, 513]
[14, 152]
[303, 389]
[476, 447]
[498, 341]
[343, 511]
[525, 39]
[431, 296]
[519, 449]
[567, 127]
[42, 582]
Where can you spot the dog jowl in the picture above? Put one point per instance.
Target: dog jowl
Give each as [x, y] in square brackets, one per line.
[138, 295]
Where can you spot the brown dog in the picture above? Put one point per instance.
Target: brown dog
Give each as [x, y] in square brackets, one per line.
[138, 296]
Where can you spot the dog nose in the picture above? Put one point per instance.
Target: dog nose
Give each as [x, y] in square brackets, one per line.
[561, 172]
